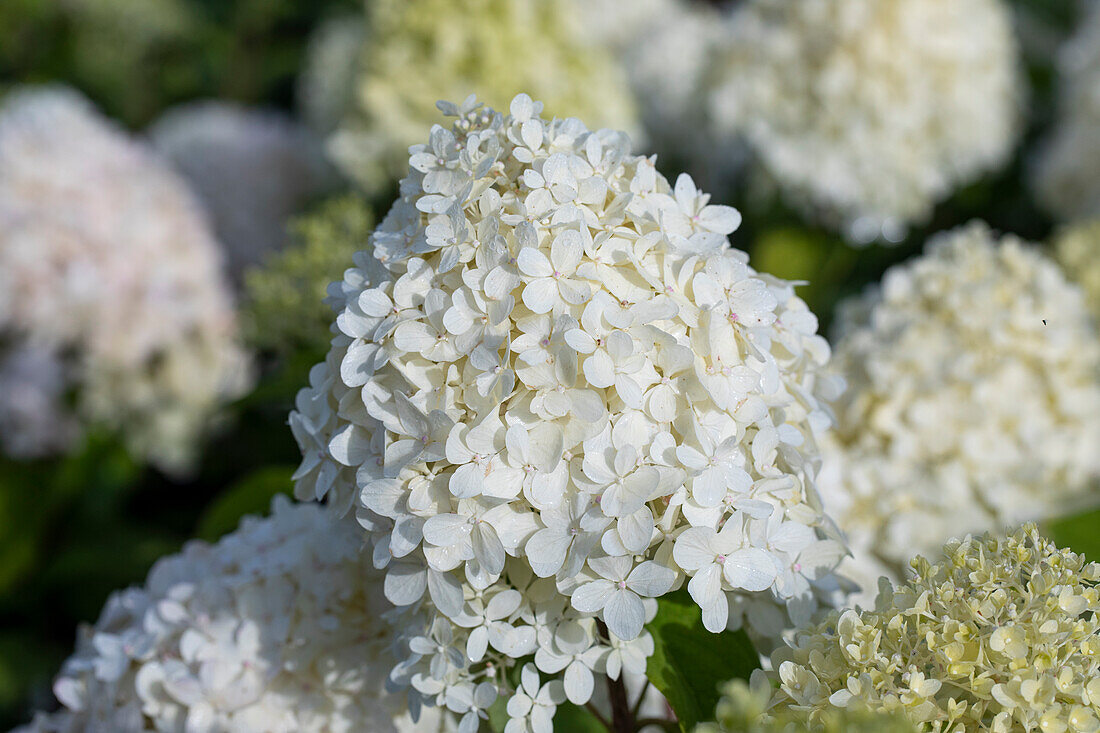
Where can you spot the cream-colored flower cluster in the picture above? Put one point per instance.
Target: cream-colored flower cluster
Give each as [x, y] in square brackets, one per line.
[1077, 248]
[107, 264]
[871, 110]
[418, 51]
[743, 709]
[973, 399]
[1068, 179]
[555, 393]
[1000, 635]
[279, 627]
[252, 169]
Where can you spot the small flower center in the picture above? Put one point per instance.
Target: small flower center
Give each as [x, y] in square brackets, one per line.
[720, 559]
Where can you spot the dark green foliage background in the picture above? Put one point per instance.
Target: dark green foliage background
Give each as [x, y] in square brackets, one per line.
[73, 530]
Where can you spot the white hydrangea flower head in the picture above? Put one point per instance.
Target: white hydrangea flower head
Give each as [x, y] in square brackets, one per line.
[252, 169]
[106, 257]
[554, 394]
[1001, 634]
[418, 51]
[1067, 176]
[1078, 250]
[973, 399]
[871, 111]
[278, 627]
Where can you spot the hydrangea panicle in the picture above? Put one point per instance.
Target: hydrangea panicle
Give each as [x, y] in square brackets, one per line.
[252, 168]
[279, 627]
[552, 383]
[1001, 634]
[108, 269]
[415, 51]
[973, 400]
[871, 112]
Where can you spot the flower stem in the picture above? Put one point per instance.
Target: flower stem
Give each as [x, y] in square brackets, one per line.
[622, 717]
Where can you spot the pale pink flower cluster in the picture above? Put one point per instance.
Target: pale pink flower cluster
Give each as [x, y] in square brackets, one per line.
[108, 267]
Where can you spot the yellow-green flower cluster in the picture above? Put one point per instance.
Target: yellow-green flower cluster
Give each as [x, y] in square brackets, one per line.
[742, 709]
[1000, 635]
[283, 307]
[1078, 249]
[419, 51]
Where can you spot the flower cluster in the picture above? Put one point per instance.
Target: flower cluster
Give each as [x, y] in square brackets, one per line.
[973, 398]
[555, 393]
[1078, 250]
[279, 627]
[107, 267]
[417, 51]
[282, 309]
[1000, 635]
[251, 168]
[1067, 177]
[743, 709]
[871, 110]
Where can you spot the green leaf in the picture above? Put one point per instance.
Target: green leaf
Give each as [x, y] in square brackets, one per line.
[572, 718]
[689, 663]
[250, 495]
[1080, 533]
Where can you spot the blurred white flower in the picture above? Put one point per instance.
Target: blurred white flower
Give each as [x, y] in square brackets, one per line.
[871, 111]
[1067, 180]
[575, 358]
[973, 400]
[280, 626]
[107, 263]
[252, 169]
[417, 51]
[667, 48]
[326, 84]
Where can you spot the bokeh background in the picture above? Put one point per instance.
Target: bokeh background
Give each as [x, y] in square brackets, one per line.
[287, 123]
